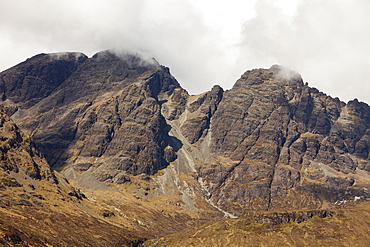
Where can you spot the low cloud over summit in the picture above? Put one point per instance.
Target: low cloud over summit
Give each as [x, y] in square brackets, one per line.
[204, 42]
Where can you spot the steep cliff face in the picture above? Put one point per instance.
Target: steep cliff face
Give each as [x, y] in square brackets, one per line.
[271, 142]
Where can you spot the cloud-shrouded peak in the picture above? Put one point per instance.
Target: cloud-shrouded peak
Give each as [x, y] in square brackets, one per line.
[285, 74]
[77, 56]
[131, 57]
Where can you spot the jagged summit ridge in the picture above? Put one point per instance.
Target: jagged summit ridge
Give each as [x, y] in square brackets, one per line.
[153, 159]
[282, 74]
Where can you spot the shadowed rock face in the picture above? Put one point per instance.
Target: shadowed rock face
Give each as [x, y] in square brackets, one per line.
[270, 142]
[31, 81]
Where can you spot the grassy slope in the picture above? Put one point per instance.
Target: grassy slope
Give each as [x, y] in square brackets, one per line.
[348, 227]
[48, 216]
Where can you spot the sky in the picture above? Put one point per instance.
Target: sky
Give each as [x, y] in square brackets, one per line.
[204, 42]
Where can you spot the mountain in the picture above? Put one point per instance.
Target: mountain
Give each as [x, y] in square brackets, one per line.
[105, 95]
[123, 131]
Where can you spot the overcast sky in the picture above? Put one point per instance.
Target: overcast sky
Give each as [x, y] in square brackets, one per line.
[204, 42]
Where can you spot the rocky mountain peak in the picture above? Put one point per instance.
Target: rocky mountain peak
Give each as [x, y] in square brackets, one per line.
[253, 147]
[285, 74]
[103, 95]
[160, 81]
[275, 74]
[67, 56]
[132, 60]
[36, 78]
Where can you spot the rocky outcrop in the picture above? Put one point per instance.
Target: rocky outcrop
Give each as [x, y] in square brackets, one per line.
[19, 156]
[200, 112]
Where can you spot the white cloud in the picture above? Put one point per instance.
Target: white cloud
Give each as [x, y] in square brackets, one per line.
[173, 31]
[325, 41]
[203, 42]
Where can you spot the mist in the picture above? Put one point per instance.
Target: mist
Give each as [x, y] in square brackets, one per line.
[203, 42]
